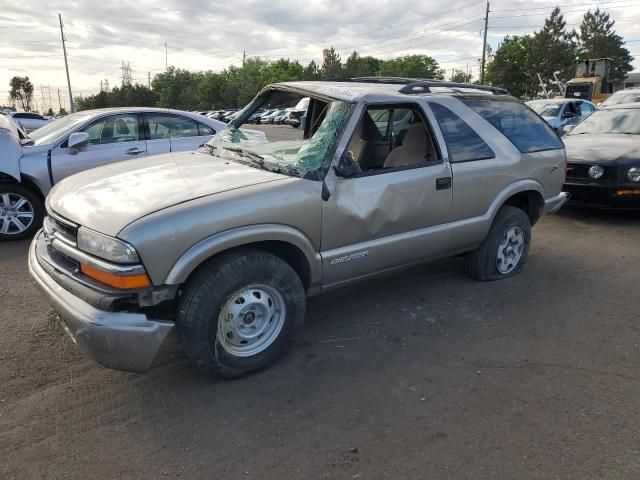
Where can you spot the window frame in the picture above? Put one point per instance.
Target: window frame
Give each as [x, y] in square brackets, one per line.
[464, 98]
[449, 157]
[65, 142]
[397, 105]
[147, 130]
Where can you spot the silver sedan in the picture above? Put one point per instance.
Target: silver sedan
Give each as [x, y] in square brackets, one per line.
[30, 166]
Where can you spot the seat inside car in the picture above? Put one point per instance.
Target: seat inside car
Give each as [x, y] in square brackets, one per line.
[414, 149]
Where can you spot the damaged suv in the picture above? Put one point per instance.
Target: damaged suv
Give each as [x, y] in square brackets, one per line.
[225, 243]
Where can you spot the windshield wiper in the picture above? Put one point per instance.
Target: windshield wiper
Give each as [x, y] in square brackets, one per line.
[246, 153]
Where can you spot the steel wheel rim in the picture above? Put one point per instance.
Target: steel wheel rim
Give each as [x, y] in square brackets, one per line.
[16, 213]
[510, 250]
[251, 320]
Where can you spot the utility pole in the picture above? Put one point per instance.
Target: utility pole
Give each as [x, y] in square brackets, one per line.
[244, 57]
[66, 64]
[59, 101]
[166, 57]
[484, 44]
[149, 80]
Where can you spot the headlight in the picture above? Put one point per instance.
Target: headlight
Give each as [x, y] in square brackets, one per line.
[106, 247]
[596, 171]
[634, 174]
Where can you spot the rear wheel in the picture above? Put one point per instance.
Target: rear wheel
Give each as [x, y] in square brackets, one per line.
[21, 212]
[505, 249]
[238, 312]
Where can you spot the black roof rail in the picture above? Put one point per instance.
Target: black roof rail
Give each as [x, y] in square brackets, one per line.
[423, 86]
[394, 80]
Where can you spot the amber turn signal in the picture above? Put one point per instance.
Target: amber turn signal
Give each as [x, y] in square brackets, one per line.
[634, 191]
[125, 282]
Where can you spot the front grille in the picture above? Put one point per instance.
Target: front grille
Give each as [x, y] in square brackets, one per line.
[55, 227]
[580, 171]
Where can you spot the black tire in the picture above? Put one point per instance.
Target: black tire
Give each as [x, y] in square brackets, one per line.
[482, 263]
[37, 207]
[205, 295]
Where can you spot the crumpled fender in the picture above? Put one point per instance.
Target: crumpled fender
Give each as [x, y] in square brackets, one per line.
[10, 153]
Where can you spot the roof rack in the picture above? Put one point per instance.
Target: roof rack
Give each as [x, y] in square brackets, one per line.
[414, 86]
[424, 86]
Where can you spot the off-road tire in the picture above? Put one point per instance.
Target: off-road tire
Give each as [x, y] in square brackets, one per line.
[481, 263]
[206, 293]
[36, 203]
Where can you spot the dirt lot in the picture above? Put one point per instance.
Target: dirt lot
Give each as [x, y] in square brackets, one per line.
[424, 374]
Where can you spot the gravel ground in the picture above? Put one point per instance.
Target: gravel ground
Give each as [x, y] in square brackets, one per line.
[421, 374]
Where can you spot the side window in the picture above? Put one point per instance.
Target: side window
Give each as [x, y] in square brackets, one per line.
[183, 127]
[463, 143]
[585, 108]
[517, 122]
[205, 130]
[390, 137]
[159, 125]
[113, 129]
[163, 125]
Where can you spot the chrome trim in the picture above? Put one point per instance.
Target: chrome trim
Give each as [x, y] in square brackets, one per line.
[61, 219]
[92, 261]
[51, 233]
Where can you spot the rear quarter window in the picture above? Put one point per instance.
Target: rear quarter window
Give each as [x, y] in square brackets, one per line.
[526, 130]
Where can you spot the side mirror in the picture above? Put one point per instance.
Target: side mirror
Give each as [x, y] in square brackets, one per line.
[347, 166]
[78, 140]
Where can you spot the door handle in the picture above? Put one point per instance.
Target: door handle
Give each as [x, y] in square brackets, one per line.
[134, 151]
[443, 183]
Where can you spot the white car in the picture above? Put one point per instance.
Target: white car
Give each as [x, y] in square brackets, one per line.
[31, 165]
[29, 120]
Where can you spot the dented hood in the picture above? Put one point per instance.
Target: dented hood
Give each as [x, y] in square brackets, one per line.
[108, 198]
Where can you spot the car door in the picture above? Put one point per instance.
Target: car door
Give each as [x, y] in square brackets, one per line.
[158, 129]
[391, 213]
[112, 138]
[188, 134]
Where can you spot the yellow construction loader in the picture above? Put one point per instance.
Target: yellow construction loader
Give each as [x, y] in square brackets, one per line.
[591, 81]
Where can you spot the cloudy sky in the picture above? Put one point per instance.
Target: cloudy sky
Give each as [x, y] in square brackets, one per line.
[203, 35]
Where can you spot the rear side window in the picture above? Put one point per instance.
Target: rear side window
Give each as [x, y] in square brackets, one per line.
[463, 143]
[517, 122]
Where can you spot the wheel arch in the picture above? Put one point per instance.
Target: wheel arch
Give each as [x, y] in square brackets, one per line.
[283, 241]
[527, 195]
[24, 181]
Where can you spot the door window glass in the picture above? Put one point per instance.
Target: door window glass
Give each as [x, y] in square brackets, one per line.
[172, 126]
[463, 143]
[390, 137]
[205, 130]
[585, 108]
[113, 129]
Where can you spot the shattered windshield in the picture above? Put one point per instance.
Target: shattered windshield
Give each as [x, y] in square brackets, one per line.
[299, 144]
[619, 121]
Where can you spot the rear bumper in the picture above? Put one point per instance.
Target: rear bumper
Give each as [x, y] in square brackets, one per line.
[553, 204]
[118, 340]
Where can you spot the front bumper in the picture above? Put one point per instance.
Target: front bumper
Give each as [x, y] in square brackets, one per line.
[603, 196]
[118, 340]
[553, 204]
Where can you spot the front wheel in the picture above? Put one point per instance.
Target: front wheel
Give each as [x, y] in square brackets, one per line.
[504, 250]
[21, 212]
[237, 313]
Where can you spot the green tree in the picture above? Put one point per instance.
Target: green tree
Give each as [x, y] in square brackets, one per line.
[50, 112]
[178, 88]
[332, 65]
[598, 39]
[460, 76]
[412, 66]
[508, 66]
[552, 49]
[357, 66]
[311, 71]
[62, 112]
[22, 92]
